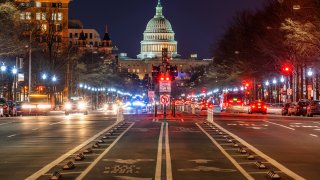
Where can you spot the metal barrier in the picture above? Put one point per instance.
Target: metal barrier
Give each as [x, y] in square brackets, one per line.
[210, 115]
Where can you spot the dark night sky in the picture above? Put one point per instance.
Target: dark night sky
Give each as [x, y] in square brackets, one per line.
[197, 23]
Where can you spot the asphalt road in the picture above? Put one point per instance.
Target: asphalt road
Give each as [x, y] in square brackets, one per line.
[29, 143]
[146, 148]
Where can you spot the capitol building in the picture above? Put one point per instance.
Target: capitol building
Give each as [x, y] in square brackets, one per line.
[158, 35]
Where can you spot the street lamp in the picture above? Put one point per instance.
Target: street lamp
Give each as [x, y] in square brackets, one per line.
[274, 81]
[282, 79]
[14, 72]
[54, 78]
[310, 72]
[3, 69]
[44, 77]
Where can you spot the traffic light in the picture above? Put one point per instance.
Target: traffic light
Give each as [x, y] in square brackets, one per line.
[286, 69]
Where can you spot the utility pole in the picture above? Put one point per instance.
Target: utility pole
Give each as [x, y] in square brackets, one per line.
[30, 60]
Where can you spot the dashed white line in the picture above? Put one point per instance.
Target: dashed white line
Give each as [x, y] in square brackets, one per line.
[13, 135]
[313, 135]
[35, 129]
[168, 156]
[282, 126]
[159, 155]
[182, 120]
[6, 123]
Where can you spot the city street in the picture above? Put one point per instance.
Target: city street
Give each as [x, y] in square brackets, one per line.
[184, 147]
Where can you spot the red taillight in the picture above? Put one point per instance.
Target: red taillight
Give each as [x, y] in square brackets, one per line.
[253, 106]
[265, 107]
[231, 101]
[5, 107]
[259, 104]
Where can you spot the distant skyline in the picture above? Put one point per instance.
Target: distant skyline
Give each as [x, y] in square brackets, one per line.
[197, 25]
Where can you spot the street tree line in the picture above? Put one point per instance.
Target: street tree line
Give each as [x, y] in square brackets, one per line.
[52, 55]
[257, 43]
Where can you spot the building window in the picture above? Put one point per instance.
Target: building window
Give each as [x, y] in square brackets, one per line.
[58, 27]
[76, 35]
[44, 27]
[53, 16]
[70, 35]
[22, 16]
[44, 16]
[28, 15]
[60, 17]
[43, 4]
[59, 5]
[38, 4]
[54, 5]
[38, 16]
[91, 36]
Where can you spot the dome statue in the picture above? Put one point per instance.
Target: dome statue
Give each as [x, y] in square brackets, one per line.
[158, 35]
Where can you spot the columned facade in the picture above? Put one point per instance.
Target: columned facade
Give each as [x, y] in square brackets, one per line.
[158, 35]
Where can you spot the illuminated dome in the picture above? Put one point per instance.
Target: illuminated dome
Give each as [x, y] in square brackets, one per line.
[158, 35]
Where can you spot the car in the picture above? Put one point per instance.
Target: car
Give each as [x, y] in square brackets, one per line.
[4, 107]
[313, 108]
[257, 107]
[110, 107]
[292, 109]
[284, 110]
[76, 106]
[301, 107]
[18, 106]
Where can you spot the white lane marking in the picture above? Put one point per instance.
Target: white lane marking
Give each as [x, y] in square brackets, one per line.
[313, 135]
[282, 126]
[6, 123]
[63, 173]
[182, 120]
[56, 123]
[95, 162]
[64, 156]
[168, 156]
[232, 160]
[35, 129]
[13, 135]
[159, 155]
[261, 154]
[317, 129]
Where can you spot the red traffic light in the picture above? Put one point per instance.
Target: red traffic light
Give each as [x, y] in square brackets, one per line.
[286, 69]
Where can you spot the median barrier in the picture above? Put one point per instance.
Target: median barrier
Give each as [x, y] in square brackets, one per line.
[210, 115]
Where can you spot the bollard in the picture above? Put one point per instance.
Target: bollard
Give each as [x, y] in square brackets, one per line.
[96, 145]
[56, 175]
[68, 166]
[272, 175]
[242, 151]
[260, 165]
[79, 157]
[87, 151]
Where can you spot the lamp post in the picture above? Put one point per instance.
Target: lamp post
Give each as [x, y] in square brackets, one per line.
[14, 72]
[268, 93]
[313, 85]
[3, 69]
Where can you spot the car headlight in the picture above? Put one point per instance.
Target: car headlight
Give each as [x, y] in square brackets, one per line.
[114, 107]
[28, 106]
[68, 106]
[81, 105]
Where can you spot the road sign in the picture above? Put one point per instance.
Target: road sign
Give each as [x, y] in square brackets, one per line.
[165, 99]
[165, 86]
[151, 94]
[289, 92]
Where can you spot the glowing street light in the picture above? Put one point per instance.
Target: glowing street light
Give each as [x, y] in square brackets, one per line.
[274, 81]
[44, 76]
[54, 78]
[282, 79]
[3, 68]
[310, 73]
[267, 83]
[14, 70]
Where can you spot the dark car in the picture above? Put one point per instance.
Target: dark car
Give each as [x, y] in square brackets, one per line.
[285, 109]
[257, 107]
[313, 108]
[4, 106]
[19, 109]
[299, 108]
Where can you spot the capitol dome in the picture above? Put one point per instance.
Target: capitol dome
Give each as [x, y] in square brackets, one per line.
[158, 35]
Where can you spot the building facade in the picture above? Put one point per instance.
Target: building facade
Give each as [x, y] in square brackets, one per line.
[43, 17]
[158, 35]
